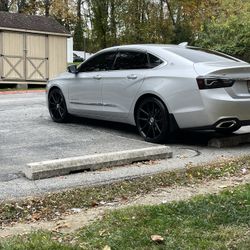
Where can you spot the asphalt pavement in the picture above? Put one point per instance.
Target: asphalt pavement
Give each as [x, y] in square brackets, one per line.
[27, 134]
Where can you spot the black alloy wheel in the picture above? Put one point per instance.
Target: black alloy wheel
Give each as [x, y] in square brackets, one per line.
[152, 120]
[57, 106]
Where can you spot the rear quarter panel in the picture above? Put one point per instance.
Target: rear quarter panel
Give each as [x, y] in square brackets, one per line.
[176, 86]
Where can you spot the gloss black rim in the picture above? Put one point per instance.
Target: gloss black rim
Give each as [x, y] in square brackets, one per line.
[57, 105]
[150, 120]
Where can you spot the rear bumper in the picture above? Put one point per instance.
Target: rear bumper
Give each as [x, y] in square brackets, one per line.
[215, 125]
[210, 107]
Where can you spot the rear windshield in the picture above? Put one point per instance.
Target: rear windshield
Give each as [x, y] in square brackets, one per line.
[197, 55]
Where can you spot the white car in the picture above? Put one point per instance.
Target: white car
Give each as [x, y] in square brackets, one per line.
[158, 88]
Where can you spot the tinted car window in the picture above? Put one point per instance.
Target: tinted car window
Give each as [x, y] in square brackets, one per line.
[200, 55]
[131, 60]
[154, 61]
[102, 62]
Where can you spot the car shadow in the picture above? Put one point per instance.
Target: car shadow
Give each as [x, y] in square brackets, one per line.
[194, 137]
[116, 128]
[184, 137]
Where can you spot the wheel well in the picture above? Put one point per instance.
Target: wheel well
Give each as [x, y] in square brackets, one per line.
[173, 124]
[54, 87]
[144, 97]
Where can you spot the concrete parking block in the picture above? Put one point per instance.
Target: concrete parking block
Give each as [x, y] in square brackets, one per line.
[47, 169]
[229, 141]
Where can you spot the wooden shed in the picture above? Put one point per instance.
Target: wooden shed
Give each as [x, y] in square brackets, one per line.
[33, 49]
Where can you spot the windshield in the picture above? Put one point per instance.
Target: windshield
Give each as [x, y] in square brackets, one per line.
[197, 55]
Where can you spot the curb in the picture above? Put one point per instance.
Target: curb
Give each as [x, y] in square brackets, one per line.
[53, 168]
[20, 92]
[231, 141]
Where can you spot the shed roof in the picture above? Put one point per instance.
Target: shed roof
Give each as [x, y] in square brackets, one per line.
[40, 24]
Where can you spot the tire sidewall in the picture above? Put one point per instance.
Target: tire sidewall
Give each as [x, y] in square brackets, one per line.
[165, 130]
[65, 116]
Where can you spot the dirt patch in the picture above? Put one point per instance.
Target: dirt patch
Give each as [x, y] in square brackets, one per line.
[81, 218]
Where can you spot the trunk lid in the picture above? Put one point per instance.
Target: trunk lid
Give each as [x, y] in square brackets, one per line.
[240, 71]
[223, 68]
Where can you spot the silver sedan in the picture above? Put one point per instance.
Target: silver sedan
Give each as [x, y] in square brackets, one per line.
[158, 88]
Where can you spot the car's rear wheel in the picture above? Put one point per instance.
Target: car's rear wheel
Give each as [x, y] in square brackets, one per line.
[57, 106]
[152, 120]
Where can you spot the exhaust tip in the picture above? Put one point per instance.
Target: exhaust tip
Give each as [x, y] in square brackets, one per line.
[226, 124]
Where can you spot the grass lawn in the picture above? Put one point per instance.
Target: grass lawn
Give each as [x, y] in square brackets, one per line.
[48, 206]
[206, 222]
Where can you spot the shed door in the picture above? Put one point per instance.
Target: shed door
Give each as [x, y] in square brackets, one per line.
[36, 57]
[13, 56]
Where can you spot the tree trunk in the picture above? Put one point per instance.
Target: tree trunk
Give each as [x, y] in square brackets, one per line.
[21, 5]
[113, 22]
[79, 7]
[4, 5]
[47, 4]
[66, 23]
[171, 14]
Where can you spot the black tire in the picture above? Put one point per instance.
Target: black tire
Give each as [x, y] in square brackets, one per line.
[57, 106]
[152, 120]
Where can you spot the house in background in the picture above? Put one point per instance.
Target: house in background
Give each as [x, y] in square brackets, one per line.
[33, 49]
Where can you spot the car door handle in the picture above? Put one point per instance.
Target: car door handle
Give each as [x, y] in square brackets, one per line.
[98, 77]
[132, 76]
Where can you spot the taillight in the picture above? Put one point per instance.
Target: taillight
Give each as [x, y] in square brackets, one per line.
[214, 82]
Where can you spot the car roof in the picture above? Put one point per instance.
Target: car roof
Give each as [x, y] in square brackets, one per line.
[168, 52]
[161, 50]
[145, 46]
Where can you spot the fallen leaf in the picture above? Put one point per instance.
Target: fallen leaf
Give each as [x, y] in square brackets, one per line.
[102, 232]
[18, 207]
[244, 170]
[60, 226]
[36, 216]
[157, 238]
[94, 203]
[107, 247]
[76, 210]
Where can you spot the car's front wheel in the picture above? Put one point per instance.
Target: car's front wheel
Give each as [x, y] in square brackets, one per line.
[57, 106]
[152, 120]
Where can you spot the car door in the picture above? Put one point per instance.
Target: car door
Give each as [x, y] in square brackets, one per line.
[85, 88]
[119, 86]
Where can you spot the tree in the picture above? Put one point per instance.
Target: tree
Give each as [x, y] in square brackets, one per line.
[228, 30]
[79, 8]
[78, 36]
[216, 24]
[47, 4]
[100, 10]
[187, 17]
[113, 22]
[63, 12]
[5, 5]
[21, 5]
[32, 7]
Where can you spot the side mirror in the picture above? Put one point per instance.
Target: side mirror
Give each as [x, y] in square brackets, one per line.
[72, 69]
